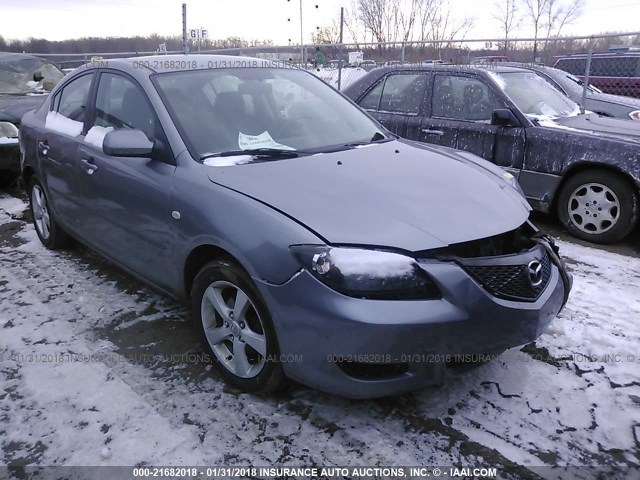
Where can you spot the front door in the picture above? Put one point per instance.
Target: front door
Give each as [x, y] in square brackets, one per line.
[127, 212]
[460, 117]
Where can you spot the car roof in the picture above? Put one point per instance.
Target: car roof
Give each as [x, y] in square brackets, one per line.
[11, 56]
[460, 68]
[173, 63]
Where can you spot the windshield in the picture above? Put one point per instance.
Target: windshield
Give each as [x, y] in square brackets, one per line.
[575, 84]
[229, 110]
[22, 75]
[534, 96]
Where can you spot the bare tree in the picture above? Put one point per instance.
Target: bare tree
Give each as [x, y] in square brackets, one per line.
[330, 34]
[507, 15]
[536, 11]
[561, 13]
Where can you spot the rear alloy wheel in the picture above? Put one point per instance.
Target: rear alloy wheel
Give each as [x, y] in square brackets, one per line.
[236, 328]
[48, 230]
[598, 206]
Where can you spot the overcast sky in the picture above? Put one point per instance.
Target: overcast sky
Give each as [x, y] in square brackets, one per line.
[250, 19]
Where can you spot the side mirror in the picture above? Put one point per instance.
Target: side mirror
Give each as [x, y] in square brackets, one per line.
[503, 117]
[127, 143]
[37, 76]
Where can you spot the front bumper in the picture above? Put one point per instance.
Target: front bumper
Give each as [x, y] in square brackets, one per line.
[327, 339]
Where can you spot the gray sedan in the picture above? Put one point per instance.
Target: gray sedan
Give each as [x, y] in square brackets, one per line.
[311, 244]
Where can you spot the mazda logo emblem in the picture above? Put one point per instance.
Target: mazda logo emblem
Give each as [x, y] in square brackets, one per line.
[535, 272]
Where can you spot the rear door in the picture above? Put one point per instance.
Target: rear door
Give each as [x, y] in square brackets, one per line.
[397, 99]
[127, 210]
[460, 117]
[58, 144]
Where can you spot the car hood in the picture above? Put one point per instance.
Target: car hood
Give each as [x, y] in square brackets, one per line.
[589, 124]
[632, 103]
[396, 194]
[13, 107]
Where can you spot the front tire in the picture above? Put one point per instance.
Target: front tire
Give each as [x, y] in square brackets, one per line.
[235, 327]
[44, 220]
[599, 206]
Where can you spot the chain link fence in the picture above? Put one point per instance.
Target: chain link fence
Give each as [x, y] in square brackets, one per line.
[610, 63]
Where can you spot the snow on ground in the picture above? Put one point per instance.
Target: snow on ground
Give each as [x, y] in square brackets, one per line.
[96, 369]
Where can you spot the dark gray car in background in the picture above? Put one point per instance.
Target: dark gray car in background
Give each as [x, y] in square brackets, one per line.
[606, 104]
[25, 81]
[310, 244]
[584, 167]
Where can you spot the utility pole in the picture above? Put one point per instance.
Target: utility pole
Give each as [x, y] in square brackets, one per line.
[185, 47]
[302, 62]
[340, 49]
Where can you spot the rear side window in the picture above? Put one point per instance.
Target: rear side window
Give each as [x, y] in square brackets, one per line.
[73, 101]
[403, 93]
[614, 67]
[372, 99]
[398, 93]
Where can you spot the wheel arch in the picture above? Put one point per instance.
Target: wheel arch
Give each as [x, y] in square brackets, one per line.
[200, 256]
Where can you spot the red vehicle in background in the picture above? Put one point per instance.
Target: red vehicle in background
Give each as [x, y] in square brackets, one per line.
[615, 73]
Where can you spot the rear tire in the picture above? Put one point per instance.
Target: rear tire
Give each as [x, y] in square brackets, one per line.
[235, 328]
[599, 206]
[44, 220]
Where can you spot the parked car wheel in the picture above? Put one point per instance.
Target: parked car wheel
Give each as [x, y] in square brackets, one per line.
[236, 328]
[47, 228]
[599, 206]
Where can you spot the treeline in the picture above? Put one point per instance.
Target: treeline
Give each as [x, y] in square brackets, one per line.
[149, 43]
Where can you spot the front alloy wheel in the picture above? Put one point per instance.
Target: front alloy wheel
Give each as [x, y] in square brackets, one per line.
[233, 329]
[236, 328]
[598, 205]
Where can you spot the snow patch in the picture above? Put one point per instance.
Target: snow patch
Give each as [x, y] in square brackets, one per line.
[95, 136]
[227, 161]
[8, 140]
[352, 261]
[61, 124]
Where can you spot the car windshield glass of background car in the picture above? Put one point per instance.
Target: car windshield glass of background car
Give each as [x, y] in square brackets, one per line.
[226, 110]
[17, 75]
[534, 96]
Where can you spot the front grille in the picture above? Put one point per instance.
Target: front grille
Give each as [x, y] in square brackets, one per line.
[511, 282]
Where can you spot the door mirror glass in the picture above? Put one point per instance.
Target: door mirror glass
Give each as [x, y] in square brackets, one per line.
[504, 117]
[127, 143]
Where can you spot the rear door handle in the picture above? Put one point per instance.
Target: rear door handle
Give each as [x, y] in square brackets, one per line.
[43, 147]
[430, 131]
[88, 165]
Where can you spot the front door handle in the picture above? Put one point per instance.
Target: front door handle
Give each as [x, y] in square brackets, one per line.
[89, 166]
[43, 148]
[430, 131]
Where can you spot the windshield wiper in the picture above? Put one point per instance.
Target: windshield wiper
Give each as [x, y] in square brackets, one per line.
[256, 152]
[377, 138]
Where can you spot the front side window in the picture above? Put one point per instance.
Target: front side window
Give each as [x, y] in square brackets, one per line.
[372, 99]
[226, 110]
[463, 98]
[73, 101]
[120, 103]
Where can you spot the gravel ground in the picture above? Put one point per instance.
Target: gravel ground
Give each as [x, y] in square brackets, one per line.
[97, 369]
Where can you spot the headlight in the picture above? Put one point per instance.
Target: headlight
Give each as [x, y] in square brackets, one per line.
[513, 181]
[635, 115]
[8, 129]
[362, 273]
